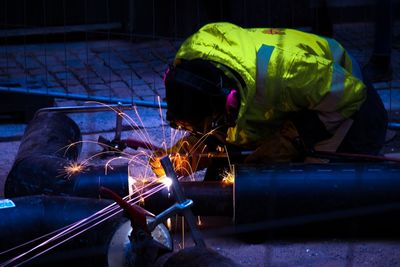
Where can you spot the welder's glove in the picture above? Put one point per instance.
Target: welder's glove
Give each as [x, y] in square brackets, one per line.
[184, 156]
[278, 148]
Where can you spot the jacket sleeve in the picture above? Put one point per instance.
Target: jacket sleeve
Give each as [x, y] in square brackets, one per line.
[322, 85]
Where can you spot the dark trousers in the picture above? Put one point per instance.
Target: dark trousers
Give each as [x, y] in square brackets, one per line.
[367, 134]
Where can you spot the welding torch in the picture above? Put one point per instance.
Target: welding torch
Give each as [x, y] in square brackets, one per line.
[120, 144]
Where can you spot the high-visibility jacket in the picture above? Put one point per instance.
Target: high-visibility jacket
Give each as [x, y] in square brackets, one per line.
[283, 70]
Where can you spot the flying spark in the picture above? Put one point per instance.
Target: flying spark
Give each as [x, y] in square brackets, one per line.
[72, 169]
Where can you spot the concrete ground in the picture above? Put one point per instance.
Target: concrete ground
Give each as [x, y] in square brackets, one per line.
[118, 68]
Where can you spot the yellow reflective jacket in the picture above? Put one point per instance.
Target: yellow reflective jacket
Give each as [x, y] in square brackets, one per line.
[283, 70]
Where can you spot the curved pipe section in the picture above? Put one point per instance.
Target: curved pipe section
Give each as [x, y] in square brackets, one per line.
[44, 153]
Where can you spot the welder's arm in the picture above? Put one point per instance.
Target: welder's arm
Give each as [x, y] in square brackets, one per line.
[184, 156]
[279, 147]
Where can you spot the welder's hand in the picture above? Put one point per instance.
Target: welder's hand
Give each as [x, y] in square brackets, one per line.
[184, 156]
[278, 148]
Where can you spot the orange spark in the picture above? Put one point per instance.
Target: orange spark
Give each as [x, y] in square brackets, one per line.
[228, 177]
[73, 168]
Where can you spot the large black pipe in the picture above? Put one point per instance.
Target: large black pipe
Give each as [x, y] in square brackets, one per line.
[285, 195]
[44, 153]
[34, 216]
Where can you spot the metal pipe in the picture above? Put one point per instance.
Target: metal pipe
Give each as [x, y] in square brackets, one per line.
[394, 125]
[286, 195]
[43, 174]
[87, 108]
[101, 99]
[41, 164]
[43, 152]
[59, 29]
[94, 108]
[118, 123]
[35, 216]
[297, 194]
[320, 191]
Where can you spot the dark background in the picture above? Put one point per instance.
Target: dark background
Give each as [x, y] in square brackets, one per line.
[178, 18]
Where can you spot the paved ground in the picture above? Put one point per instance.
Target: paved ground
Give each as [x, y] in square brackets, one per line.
[120, 69]
[112, 68]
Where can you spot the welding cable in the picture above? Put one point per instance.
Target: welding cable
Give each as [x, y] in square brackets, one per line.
[75, 228]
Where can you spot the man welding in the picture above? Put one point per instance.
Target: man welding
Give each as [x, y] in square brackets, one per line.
[278, 92]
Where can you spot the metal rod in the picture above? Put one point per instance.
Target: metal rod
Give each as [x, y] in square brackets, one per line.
[180, 198]
[102, 99]
[77, 109]
[59, 29]
[394, 125]
[169, 212]
[118, 123]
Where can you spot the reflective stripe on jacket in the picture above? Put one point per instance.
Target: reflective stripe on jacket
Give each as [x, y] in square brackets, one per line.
[284, 70]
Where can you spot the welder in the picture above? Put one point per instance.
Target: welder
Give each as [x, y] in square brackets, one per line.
[278, 92]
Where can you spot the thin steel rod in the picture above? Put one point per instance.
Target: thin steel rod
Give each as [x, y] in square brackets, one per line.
[59, 29]
[394, 125]
[78, 109]
[102, 99]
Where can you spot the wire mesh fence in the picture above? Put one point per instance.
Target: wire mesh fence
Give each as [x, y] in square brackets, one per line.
[117, 51]
[90, 57]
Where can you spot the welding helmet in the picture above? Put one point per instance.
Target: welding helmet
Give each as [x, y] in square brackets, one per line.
[196, 94]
